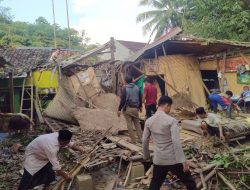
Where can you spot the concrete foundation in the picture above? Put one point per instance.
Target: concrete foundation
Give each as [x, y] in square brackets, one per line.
[137, 171]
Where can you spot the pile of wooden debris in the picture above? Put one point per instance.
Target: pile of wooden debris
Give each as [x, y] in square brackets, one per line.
[109, 160]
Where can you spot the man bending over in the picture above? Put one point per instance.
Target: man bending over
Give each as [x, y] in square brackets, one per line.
[41, 162]
[210, 123]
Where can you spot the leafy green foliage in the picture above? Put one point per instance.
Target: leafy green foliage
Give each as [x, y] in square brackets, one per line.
[165, 14]
[217, 19]
[38, 34]
[223, 160]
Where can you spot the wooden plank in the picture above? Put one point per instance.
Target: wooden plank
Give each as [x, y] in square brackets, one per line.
[112, 59]
[222, 69]
[125, 144]
[38, 112]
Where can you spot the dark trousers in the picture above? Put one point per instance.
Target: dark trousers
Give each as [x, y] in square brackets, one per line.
[43, 177]
[150, 110]
[160, 173]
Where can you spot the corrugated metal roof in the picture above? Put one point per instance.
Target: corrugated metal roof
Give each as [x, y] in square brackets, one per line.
[176, 43]
[159, 41]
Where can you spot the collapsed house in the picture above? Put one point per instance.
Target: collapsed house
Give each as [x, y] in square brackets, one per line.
[87, 95]
[29, 78]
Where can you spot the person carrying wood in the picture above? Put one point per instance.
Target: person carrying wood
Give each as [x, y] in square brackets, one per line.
[168, 153]
[41, 163]
[210, 123]
[150, 97]
[130, 104]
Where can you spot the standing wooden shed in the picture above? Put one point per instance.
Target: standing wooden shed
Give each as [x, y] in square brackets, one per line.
[175, 61]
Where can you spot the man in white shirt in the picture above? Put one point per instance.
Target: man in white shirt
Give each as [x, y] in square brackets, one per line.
[168, 153]
[210, 123]
[41, 162]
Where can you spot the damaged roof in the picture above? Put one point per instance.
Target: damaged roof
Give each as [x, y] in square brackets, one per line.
[23, 60]
[133, 46]
[175, 43]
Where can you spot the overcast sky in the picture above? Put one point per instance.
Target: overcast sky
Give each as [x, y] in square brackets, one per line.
[100, 18]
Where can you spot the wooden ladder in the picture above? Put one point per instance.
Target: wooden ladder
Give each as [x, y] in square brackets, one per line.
[27, 98]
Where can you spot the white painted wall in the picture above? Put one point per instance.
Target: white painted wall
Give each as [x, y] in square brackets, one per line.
[121, 52]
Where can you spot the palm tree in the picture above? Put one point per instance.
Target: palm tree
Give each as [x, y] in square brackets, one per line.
[166, 14]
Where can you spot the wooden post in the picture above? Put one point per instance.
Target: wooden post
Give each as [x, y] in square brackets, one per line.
[223, 68]
[11, 90]
[112, 59]
[54, 24]
[67, 9]
[218, 69]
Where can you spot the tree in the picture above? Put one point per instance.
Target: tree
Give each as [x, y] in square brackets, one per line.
[166, 14]
[217, 19]
[5, 15]
[40, 34]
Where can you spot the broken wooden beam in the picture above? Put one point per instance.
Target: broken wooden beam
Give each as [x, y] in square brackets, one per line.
[125, 144]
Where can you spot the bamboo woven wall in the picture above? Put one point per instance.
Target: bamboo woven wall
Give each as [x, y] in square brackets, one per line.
[183, 73]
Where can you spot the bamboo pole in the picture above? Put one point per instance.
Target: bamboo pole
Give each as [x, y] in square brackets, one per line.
[77, 168]
[67, 9]
[203, 181]
[128, 174]
[224, 179]
[54, 20]
[209, 176]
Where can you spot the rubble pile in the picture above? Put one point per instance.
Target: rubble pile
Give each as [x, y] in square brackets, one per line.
[213, 165]
[81, 100]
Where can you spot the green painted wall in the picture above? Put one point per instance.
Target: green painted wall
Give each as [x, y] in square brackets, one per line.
[18, 83]
[17, 99]
[4, 83]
